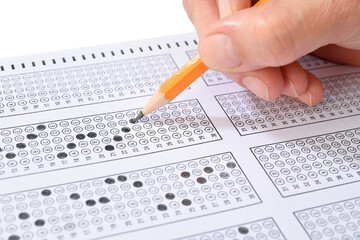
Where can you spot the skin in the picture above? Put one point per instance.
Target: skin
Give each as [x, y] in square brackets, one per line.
[257, 47]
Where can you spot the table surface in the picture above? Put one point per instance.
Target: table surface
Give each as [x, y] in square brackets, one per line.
[30, 27]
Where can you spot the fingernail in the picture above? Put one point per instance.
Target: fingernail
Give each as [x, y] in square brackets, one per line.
[218, 52]
[306, 98]
[310, 99]
[257, 86]
[293, 89]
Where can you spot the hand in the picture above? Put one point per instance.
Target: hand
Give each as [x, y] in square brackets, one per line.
[257, 47]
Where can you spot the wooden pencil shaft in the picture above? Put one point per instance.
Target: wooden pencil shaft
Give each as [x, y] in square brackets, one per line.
[176, 84]
[183, 78]
[260, 2]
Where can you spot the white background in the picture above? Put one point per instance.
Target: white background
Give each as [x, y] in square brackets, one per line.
[36, 26]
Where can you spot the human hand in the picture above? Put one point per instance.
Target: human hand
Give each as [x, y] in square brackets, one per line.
[258, 47]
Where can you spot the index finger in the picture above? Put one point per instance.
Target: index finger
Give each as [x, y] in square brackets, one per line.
[202, 13]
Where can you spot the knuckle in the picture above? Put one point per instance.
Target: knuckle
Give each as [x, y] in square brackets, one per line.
[275, 40]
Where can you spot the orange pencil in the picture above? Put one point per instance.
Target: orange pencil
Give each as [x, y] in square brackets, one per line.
[176, 83]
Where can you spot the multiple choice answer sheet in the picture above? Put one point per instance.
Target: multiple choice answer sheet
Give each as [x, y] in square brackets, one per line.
[216, 163]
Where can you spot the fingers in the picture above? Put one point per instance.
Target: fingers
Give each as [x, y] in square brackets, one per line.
[267, 83]
[301, 84]
[246, 43]
[295, 79]
[339, 54]
[273, 34]
[314, 91]
[291, 80]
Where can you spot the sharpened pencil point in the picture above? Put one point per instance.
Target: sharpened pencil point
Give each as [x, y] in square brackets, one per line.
[137, 118]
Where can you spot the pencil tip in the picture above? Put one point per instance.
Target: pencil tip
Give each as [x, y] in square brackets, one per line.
[137, 118]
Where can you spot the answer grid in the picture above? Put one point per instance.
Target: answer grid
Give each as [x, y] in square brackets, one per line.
[251, 114]
[313, 163]
[335, 221]
[83, 85]
[101, 138]
[128, 201]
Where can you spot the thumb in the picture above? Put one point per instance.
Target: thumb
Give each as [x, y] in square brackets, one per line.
[274, 34]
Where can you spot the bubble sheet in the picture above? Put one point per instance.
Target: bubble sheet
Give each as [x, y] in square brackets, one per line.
[257, 230]
[130, 201]
[211, 77]
[88, 84]
[80, 170]
[98, 138]
[250, 114]
[335, 221]
[313, 163]
[311, 62]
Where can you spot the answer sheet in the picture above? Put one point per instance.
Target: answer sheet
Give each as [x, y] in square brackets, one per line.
[216, 163]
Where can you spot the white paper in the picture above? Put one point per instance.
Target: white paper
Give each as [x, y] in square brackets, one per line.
[216, 163]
